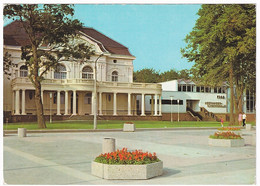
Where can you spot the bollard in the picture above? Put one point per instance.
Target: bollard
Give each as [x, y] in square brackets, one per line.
[108, 145]
[21, 132]
[248, 126]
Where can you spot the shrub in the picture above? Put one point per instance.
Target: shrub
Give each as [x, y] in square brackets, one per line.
[225, 135]
[230, 128]
[124, 157]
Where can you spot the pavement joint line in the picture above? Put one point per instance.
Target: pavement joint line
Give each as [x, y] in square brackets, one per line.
[61, 168]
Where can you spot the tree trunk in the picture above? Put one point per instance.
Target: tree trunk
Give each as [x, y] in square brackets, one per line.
[232, 121]
[37, 85]
[39, 106]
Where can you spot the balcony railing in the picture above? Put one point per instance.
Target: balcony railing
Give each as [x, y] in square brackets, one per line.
[86, 82]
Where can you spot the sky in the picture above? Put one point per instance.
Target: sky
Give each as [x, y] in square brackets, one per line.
[154, 34]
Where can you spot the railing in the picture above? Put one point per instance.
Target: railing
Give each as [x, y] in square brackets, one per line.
[90, 82]
[209, 114]
[194, 113]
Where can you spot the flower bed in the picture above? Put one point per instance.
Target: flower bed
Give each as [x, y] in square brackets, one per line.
[122, 164]
[236, 130]
[226, 139]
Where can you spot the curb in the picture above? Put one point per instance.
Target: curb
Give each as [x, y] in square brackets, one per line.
[108, 130]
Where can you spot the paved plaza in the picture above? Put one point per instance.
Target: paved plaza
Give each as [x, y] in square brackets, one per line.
[65, 158]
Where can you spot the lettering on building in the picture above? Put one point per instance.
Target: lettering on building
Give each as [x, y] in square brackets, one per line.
[215, 104]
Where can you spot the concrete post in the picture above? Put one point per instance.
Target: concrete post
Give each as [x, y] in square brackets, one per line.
[108, 145]
[160, 105]
[248, 126]
[21, 132]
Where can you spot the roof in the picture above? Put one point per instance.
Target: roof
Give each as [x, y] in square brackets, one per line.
[15, 35]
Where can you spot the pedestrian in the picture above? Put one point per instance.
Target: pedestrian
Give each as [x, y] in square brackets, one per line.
[239, 118]
[244, 119]
[222, 122]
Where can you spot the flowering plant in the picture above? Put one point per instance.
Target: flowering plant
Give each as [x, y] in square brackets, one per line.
[225, 135]
[125, 157]
[129, 122]
[230, 128]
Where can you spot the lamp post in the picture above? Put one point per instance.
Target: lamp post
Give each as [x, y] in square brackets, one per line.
[50, 106]
[171, 107]
[95, 92]
[178, 101]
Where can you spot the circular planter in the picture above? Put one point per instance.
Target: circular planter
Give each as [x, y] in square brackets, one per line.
[226, 142]
[146, 171]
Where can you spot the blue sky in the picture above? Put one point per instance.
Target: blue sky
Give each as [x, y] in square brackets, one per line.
[154, 33]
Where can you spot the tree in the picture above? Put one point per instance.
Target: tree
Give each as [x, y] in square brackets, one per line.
[53, 37]
[8, 64]
[169, 75]
[146, 75]
[222, 45]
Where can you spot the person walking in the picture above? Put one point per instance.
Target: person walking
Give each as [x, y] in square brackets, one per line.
[240, 118]
[244, 119]
[222, 122]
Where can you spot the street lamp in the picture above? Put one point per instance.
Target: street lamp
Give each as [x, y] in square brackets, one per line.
[171, 107]
[50, 106]
[178, 101]
[95, 92]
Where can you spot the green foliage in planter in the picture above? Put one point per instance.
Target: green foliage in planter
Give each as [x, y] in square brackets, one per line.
[123, 157]
[225, 135]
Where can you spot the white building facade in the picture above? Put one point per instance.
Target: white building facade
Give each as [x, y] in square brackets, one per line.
[69, 90]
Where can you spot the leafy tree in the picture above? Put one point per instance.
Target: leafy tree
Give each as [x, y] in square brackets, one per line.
[146, 76]
[8, 64]
[169, 75]
[223, 46]
[53, 37]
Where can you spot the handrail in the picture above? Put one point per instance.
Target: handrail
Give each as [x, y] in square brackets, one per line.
[194, 113]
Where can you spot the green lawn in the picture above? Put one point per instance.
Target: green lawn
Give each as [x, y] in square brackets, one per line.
[113, 124]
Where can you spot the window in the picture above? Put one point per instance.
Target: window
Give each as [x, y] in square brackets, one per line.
[188, 88]
[23, 71]
[202, 89]
[198, 89]
[174, 102]
[179, 88]
[114, 76]
[215, 90]
[115, 61]
[62, 98]
[60, 72]
[87, 72]
[87, 98]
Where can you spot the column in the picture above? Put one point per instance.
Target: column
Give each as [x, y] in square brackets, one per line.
[152, 104]
[58, 102]
[143, 101]
[13, 102]
[160, 105]
[129, 103]
[66, 102]
[100, 103]
[74, 102]
[155, 105]
[17, 102]
[114, 109]
[23, 102]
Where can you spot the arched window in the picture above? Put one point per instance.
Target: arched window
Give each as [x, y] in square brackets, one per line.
[60, 72]
[87, 72]
[114, 76]
[23, 71]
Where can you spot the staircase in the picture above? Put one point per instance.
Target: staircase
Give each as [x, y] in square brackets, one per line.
[208, 116]
[194, 114]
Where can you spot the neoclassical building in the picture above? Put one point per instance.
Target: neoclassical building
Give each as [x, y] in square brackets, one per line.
[68, 90]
